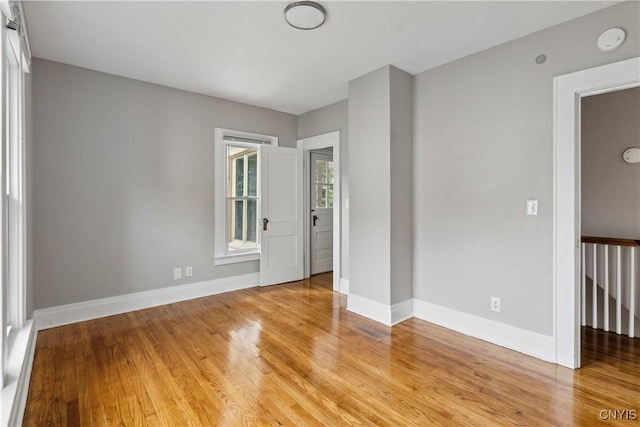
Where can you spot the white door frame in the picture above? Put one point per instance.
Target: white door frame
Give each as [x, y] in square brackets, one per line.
[568, 90]
[331, 139]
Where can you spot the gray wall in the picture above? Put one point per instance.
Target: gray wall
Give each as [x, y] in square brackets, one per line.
[483, 146]
[328, 119]
[610, 186]
[123, 182]
[380, 146]
[370, 172]
[401, 158]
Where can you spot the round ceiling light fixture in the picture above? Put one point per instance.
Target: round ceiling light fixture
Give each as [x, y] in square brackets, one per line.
[305, 15]
[611, 39]
[632, 155]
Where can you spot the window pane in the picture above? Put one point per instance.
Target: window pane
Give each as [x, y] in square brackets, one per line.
[324, 172]
[252, 212]
[252, 171]
[243, 230]
[241, 194]
[329, 179]
[323, 196]
[239, 177]
[321, 171]
[319, 200]
[239, 216]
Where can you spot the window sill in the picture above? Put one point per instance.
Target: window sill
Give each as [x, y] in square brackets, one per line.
[232, 259]
[20, 358]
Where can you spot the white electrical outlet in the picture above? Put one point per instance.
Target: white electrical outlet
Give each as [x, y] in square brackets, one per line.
[532, 207]
[495, 304]
[188, 271]
[177, 273]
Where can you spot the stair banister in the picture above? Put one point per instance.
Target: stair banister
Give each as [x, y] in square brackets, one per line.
[591, 242]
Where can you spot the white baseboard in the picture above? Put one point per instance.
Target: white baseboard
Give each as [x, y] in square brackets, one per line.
[374, 310]
[344, 286]
[386, 314]
[527, 342]
[401, 311]
[19, 364]
[79, 312]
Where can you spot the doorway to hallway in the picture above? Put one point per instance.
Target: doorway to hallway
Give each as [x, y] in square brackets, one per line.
[321, 212]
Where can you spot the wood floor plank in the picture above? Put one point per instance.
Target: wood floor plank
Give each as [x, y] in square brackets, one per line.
[293, 355]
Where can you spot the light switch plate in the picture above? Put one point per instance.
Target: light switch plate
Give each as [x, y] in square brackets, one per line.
[532, 207]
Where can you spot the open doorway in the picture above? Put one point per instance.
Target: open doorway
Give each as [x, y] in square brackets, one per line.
[323, 145]
[609, 222]
[568, 92]
[321, 179]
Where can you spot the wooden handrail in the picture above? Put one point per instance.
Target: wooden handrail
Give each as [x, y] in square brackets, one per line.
[610, 241]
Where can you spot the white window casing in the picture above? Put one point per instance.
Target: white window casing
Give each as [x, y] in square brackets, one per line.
[224, 138]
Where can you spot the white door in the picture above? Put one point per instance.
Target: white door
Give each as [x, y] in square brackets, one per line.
[281, 257]
[321, 218]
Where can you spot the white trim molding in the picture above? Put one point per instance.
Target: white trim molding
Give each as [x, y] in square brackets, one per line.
[79, 312]
[401, 311]
[19, 364]
[374, 310]
[382, 313]
[232, 259]
[522, 340]
[568, 90]
[344, 286]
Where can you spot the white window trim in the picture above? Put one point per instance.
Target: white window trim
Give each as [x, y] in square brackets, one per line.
[18, 344]
[220, 255]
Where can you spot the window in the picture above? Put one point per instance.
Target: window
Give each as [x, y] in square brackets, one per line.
[323, 184]
[14, 51]
[242, 198]
[237, 195]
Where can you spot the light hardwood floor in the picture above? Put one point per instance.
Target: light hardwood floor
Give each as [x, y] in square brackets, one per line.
[292, 355]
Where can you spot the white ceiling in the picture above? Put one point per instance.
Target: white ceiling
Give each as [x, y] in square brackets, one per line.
[244, 51]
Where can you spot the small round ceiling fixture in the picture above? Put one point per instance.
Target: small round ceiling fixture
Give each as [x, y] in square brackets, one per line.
[611, 39]
[305, 15]
[632, 155]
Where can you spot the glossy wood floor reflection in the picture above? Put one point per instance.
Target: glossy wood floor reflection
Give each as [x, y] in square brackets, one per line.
[292, 355]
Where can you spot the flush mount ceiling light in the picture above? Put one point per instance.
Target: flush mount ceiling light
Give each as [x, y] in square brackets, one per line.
[611, 39]
[632, 155]
[305, 15]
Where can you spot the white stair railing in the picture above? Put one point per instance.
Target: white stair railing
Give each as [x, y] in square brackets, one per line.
[600, 264]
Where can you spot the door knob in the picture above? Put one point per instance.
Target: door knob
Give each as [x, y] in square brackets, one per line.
[265, 221]
[315, 218]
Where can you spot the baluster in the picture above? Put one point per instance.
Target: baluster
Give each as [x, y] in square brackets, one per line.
[632, 293]
[594, 289]
[606, 288]
[619, 290]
